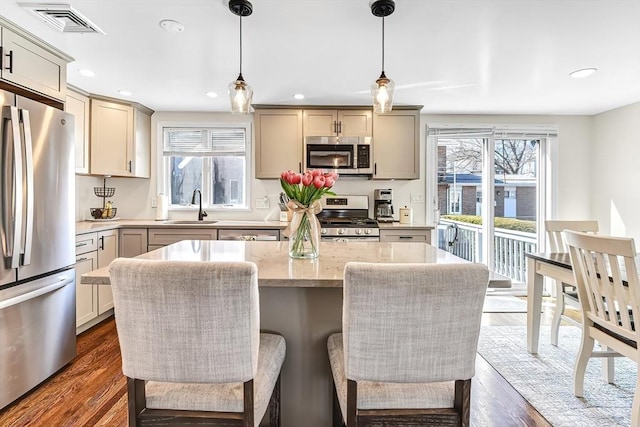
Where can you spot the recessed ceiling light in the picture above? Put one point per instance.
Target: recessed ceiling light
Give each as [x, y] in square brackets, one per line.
[87, 73]
[124, 92]
[298, 96]
[172, 26]
[585, 72]
[212, 94]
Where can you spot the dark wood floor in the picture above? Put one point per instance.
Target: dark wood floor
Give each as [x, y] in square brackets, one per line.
[91, 390]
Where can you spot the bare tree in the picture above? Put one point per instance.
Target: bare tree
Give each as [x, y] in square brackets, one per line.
[512, 156]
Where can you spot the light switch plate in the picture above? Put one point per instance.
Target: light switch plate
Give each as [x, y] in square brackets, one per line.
[416, 198]
[262, 203]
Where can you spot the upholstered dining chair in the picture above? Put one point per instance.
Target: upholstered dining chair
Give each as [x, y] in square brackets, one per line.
[191, 345]
[609, 291]
[566, 294]
[407, 349]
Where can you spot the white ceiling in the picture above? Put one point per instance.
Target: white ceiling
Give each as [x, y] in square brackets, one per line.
[452, 56]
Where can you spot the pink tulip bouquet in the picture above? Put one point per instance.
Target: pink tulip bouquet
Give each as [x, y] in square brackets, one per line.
[304, 192]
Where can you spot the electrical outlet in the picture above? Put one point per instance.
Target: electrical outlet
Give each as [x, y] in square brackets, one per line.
[154, 202]
[416, 198]
[262, 203]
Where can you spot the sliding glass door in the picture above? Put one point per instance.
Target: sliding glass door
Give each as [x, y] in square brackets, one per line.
[489, 196]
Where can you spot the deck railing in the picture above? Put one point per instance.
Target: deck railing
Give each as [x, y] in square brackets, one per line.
[465, 240]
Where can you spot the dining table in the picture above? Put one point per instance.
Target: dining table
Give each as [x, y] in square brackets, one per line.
[301, 299]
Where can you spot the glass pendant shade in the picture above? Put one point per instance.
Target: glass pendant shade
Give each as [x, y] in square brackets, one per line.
[382, 92]
[240, 94]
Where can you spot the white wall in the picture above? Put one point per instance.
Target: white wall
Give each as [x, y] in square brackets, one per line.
[615, 169]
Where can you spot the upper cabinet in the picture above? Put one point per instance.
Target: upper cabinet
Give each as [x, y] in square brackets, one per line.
[78, 104]
[120, 138]
[396, 144]
[278, 141]
[30, 63]
[329, 122]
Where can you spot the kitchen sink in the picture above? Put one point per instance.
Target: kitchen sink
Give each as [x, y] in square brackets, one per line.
[188, 222]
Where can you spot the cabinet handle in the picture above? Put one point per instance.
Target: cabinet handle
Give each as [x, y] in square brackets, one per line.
[405, 237]
[10, 55]
[130, 169]
[375, 168]
[79, 260]
[335, 126]
[299, 167]
[79, 245]
[102, 243]
[340, 126]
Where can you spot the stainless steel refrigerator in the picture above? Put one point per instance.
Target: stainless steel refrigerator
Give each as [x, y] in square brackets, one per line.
[37, 228]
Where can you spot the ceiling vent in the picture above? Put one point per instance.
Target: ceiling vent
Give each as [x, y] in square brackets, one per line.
[62, 17]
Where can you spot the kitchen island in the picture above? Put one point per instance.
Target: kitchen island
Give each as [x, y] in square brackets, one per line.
[300, 299]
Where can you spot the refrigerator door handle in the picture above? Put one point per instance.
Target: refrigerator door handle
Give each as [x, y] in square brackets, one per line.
[28, 186]
[61, 282]
[11, 188]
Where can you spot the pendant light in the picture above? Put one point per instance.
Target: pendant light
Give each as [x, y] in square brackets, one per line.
[240, 93]
[382, 88]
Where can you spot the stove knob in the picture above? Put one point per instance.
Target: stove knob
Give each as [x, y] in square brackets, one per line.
[358, 231]
[323, 231]
[367, 231]
[341, 231]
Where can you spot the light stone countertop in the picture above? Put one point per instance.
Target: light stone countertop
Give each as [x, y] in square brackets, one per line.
[277, 269]
[83, 227]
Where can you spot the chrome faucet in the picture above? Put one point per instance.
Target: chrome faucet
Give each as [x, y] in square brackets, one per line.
[201, 213]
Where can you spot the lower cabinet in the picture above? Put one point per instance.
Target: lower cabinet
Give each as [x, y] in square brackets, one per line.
[133, 242]
[93, 302]
[159, 237]
[412, 235]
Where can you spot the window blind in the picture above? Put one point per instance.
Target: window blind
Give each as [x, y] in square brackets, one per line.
[204, 142]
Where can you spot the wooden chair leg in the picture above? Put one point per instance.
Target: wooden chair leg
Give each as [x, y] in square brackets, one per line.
[352, 402]
[586, 348]
[274, 405]
[557, 313]
[247, 419]
[462, 401]
[136, 400]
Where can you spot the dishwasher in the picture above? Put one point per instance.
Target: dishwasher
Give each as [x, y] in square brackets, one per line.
[248, 234]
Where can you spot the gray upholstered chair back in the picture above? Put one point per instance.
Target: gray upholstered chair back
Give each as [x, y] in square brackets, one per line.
[412, 322]
[194, 322]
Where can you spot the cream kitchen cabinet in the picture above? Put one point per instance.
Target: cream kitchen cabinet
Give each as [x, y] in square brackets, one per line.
[120, 138]
[396, 144]
[107, 252]
[78, 104]
[86, 295]
[31, 63]
[329, 122]
[133, 242]
[93, 302]
[278, 141]
[159, 237]
[406, 235]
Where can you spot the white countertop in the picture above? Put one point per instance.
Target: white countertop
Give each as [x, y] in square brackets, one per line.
[277, 269]
[102, 225]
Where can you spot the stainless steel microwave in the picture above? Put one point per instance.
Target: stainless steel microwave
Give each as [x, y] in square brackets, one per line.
[345, 155]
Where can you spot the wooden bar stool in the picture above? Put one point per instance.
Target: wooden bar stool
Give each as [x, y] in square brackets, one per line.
[191, 344]
[408, 348]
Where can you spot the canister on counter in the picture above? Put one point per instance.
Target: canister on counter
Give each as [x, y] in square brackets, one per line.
[406, 215]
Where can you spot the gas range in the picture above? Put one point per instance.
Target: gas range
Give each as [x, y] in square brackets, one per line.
[346, 218]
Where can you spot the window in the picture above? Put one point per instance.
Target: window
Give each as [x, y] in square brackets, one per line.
[212, 159]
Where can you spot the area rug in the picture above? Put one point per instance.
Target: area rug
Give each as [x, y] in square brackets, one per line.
[504, 304]
[546, 379]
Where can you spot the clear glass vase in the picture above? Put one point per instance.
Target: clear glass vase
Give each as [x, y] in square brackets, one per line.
[304, 235]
